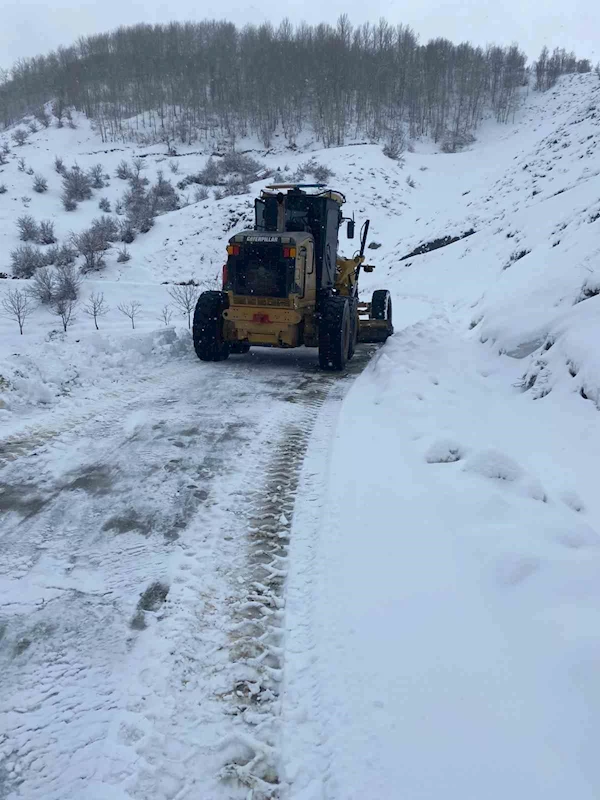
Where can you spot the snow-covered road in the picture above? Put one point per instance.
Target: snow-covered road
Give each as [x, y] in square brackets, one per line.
[143, 546]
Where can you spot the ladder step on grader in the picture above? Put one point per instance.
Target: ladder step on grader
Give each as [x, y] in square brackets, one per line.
[285, 284]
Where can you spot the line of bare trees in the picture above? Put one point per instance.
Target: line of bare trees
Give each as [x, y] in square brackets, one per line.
[185, 81]
[58, 290]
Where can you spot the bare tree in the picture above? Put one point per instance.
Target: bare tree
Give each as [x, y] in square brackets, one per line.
[18, 306]
[131, 310]
[64, 308]
[185, 298]
[165, 315]
[95, 307]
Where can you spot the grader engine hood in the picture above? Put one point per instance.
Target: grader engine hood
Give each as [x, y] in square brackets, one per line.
[261, 265]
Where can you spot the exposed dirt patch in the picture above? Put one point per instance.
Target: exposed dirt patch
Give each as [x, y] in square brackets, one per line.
[131, 520]
[153, 596]
[95, 480]
[21, 498]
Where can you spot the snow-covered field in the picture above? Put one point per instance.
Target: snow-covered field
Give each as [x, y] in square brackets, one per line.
[252, 580]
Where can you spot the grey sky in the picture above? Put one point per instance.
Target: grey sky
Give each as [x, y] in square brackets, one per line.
[31, 27]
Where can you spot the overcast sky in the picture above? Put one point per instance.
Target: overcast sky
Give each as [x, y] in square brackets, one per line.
[31, 27]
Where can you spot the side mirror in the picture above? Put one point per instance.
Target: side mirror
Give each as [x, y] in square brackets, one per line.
[350, 229]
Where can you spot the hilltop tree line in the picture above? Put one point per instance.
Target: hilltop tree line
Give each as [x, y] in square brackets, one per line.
[183, 82]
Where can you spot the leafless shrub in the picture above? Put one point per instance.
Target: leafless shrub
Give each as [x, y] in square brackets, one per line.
[46, 232]
[165, 315]
[126, 232]
[106, 229]
[95, 307]
[33, 128]
[51, 255]
[59, 165]
[234, 186]
[96, 174]
[174, 167]
[240, 163]
[454, 141]
[68, 283]
[104, 205]
[131, 310]
[410, 182]
[20, 136]
[124, 255]
[21, 165]
[66, 255]
[16, 305]
[3, 159]
[77, 184]
[29, 230]
[395, 146]
[123, 171]
[210, 175]
[42, 117]
[200, 194]
[164, 197]
[40, 184]
[43, 286]
[3, 188]
[184, 298]
[68, 203]
[320, 172]
[91, 246]
[25, 260]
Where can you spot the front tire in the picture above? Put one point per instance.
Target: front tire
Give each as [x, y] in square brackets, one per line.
[207, 330]
[381, 308]
[334, 333]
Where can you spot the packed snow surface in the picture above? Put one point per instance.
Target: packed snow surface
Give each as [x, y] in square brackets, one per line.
[251, 580]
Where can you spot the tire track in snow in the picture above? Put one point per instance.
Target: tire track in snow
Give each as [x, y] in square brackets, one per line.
[258, 632]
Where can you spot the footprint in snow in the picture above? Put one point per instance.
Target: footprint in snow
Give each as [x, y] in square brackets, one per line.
[512, 569]
[576, 537]
[573, 500]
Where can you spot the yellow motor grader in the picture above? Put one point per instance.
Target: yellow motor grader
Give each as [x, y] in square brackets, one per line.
[285, 285]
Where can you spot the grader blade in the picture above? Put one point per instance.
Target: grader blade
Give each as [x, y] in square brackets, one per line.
[374, 330]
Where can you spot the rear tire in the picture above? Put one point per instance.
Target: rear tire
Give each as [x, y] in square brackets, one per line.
[381, 308]
[334, 333]
[207, 329]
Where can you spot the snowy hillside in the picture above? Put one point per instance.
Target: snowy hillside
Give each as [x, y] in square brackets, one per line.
[253, 580]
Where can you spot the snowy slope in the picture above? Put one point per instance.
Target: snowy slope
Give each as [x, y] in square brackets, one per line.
[444, 641]
[414, 565]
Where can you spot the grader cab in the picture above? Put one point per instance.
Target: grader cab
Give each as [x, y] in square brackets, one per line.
[285, 285]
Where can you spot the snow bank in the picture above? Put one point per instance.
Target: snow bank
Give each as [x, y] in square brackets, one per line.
[60, 367]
